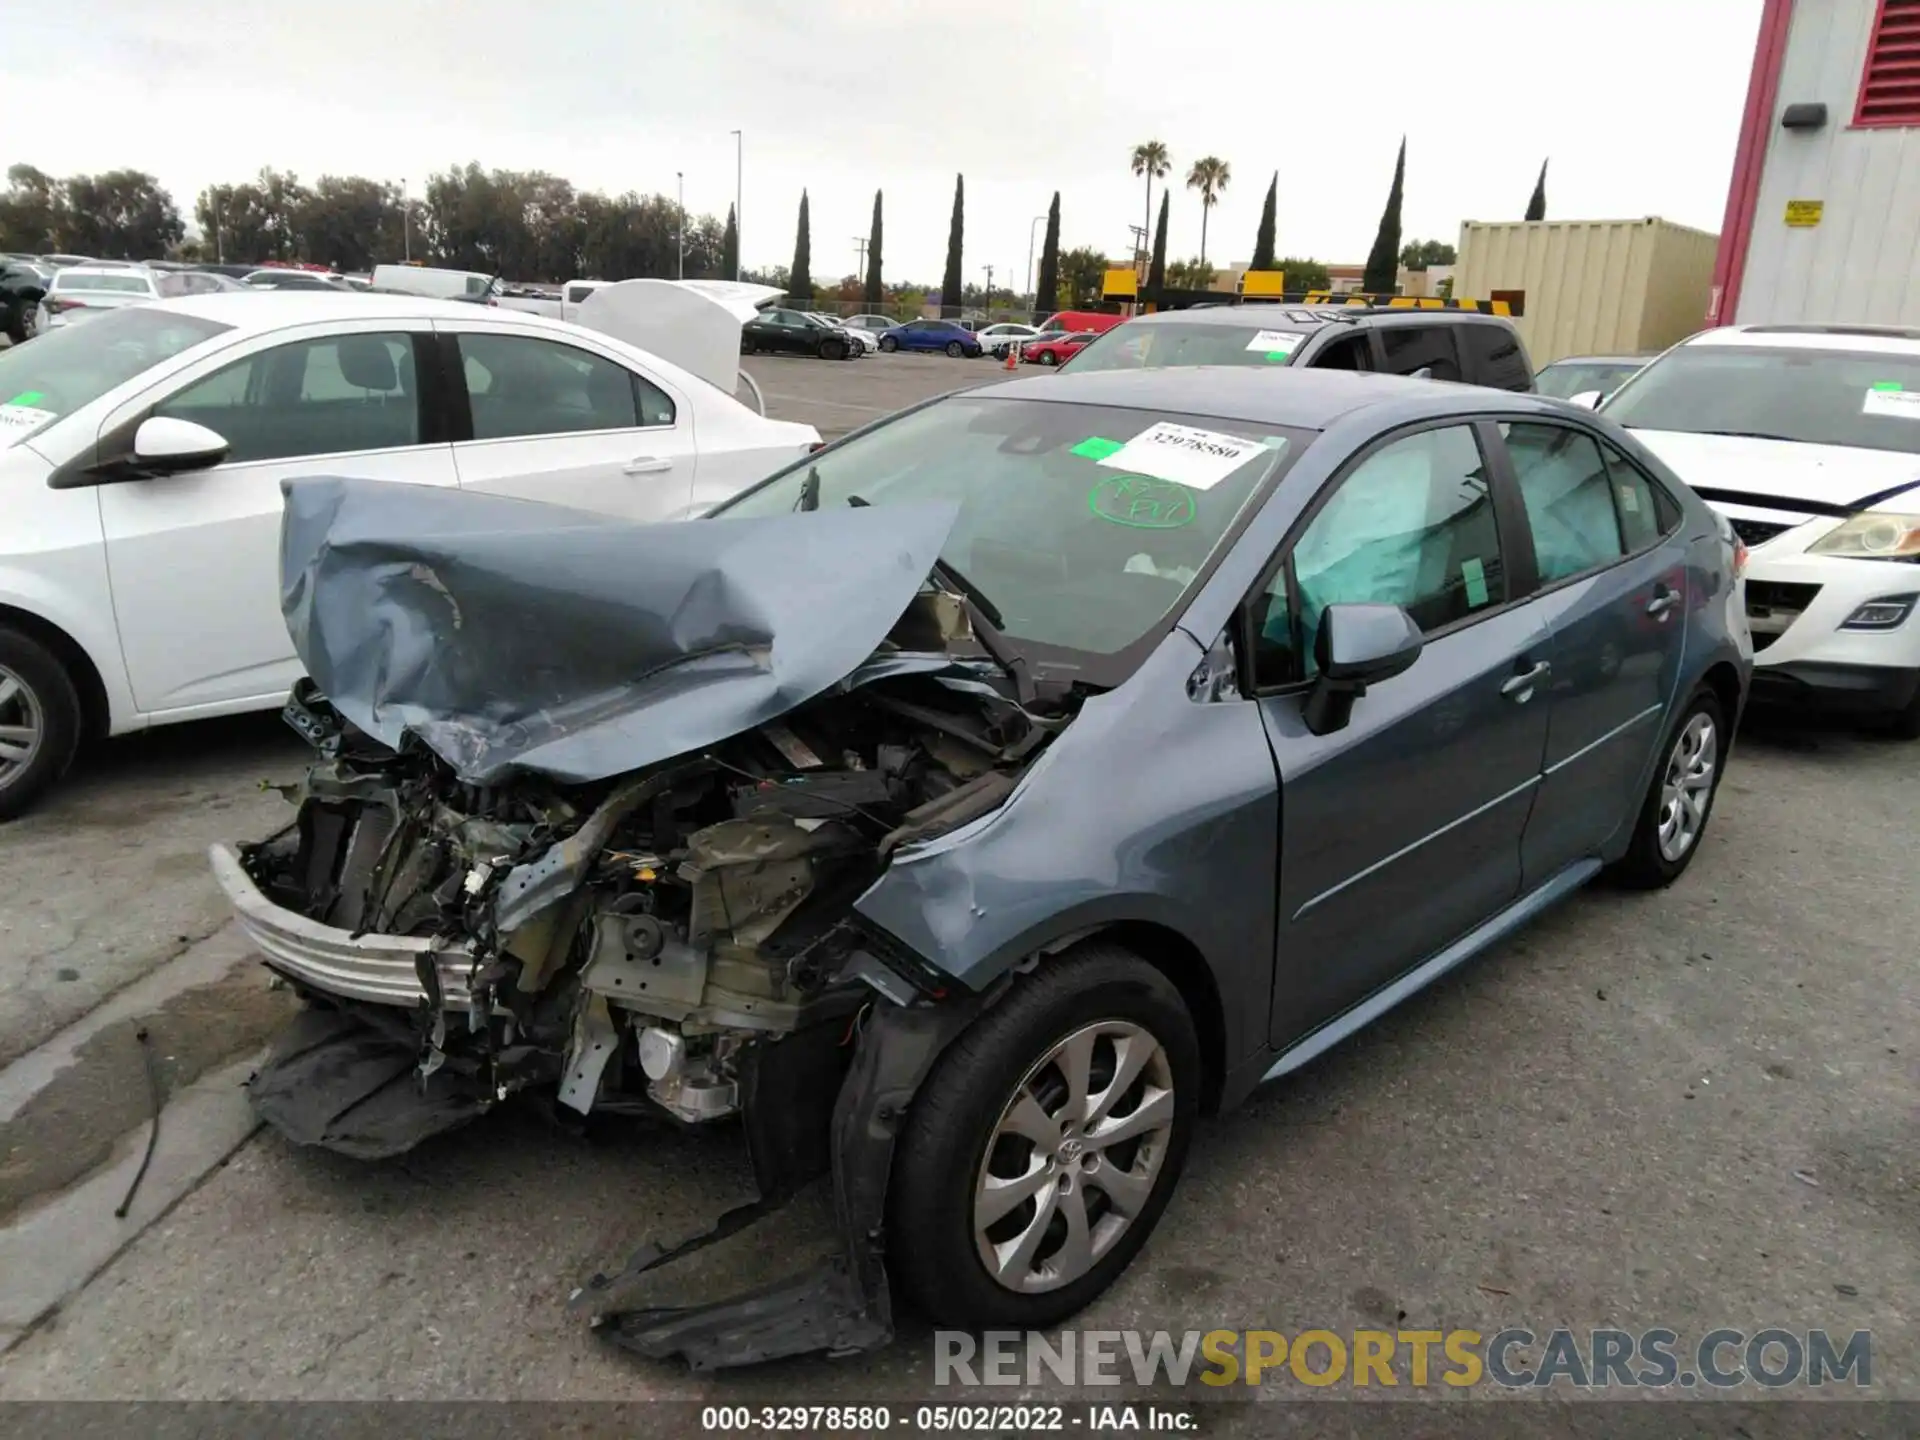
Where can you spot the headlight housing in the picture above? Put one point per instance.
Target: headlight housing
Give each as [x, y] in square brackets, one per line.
[1872, 535]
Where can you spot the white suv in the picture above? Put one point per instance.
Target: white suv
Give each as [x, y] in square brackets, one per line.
[1807, 437]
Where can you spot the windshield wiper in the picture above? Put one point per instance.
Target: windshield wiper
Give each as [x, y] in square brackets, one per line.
[1749, 435]
[987, 623]
[809, 490]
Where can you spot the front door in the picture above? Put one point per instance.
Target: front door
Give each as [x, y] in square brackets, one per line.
[194, 559]
[1401, 831]
[556, 422]
[1613, 578]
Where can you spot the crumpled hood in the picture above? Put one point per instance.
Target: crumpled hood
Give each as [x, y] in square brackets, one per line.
[1780, 469]
[508, 635]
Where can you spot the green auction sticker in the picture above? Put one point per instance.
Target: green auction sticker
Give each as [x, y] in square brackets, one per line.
[1097, 447]
[27, 397]
[1143, 503]
[1278, 357]
[1878, 385]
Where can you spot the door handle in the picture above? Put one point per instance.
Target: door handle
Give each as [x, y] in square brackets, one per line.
[1521, 685]
[1663, 601]
[646, 465]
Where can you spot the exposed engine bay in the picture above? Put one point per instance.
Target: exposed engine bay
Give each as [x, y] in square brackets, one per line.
[633, 941]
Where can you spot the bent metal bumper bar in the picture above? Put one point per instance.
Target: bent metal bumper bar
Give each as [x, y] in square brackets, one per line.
[381, 969]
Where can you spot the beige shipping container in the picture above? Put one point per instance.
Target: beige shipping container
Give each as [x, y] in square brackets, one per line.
[1592, 287]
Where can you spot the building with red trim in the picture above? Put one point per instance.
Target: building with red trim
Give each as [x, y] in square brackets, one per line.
[1823, 215]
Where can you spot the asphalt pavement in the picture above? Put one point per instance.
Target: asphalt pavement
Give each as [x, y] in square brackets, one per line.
[1688, 1110]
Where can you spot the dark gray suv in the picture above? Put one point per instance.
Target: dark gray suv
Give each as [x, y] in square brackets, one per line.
[967, 808]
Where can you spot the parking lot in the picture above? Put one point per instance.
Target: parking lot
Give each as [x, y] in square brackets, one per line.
[1688, 1109]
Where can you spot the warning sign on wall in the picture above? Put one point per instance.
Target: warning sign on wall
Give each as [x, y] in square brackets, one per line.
[1804, 212]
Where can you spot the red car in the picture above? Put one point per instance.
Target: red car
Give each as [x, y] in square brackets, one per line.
[1057, 349]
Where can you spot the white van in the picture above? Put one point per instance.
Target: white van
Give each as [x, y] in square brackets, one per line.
[575, 294]
[435, 283]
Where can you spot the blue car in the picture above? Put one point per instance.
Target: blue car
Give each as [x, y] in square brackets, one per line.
[947, 335]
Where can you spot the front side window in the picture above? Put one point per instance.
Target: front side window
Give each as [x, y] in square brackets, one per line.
[1568, 494]
[1412, 525]
[1085, 525]
[329, 396]
[1815, 397]
[518, 385]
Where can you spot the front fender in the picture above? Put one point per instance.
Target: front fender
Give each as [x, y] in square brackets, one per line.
[1149, 807]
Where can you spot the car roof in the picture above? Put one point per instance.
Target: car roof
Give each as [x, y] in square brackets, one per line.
[1306, 399]
[1268, 316]
[1888, 339]
[265, 310]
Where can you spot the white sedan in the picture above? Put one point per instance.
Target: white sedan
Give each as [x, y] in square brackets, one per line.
[997, 339]
[141, 456]
[865, 339]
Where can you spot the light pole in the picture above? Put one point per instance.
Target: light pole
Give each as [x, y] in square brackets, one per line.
[988, 306]
[680, 240]
[406, 223]
[1035, 221]
[219, 247]
[739, 217]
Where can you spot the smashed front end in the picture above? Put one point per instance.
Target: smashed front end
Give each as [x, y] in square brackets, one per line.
[479, 896]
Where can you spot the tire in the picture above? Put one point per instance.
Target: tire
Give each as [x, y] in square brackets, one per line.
[889, 344]
[748, 346]
[832, 350]
[1904, 724]
[1047, 357]
[956, 1129]
[1648, 864]
[956, 349]
[37, 699]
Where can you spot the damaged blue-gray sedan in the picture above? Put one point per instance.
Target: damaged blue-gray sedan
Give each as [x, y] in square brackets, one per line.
[966, 809]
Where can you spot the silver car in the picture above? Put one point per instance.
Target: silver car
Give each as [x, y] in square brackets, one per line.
[80, 292]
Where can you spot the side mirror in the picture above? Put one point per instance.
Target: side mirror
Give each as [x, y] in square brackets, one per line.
[163, 446]
[1587, 399]
[1356, 646]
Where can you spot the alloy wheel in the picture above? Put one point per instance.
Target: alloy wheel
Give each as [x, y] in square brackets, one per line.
[23, 726]
[1687, 788]
[1072, 1160]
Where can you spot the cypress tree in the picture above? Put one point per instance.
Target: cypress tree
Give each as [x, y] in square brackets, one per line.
[1046, 289]
[800, 282]
[1384, 260]
[875, 294]
[1263, 238]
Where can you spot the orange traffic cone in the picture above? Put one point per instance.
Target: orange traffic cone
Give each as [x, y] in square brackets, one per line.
[1013, 354]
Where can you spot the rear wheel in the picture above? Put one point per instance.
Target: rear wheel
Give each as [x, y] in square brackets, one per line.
[40, 720]
[956, 349]
[1673, 817]
[1047, 357]
[889, 344]
[1045, 1145]
[833, 350]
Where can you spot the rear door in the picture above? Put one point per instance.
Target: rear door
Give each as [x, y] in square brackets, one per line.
[1419, 349]
[1613, 592]
[553, 420]
[1401, 832]
[194, 559]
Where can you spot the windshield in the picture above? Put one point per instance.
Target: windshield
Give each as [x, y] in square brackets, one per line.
[1171, 343]
[1083, 525]
[64, 369]
[1818, 397]
[1563, 382]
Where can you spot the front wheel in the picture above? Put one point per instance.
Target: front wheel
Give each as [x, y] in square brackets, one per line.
[956, 349]
[889, 344]
[1673, 817]
[833, 350]
[40, 721]
[1049, 358]
[1045, 1145]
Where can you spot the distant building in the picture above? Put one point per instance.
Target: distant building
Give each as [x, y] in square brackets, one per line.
[1823, 214]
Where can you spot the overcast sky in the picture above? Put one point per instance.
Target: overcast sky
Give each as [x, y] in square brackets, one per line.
[1637, 102]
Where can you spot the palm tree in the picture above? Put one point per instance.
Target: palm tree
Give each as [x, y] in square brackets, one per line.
[1209, 176]
[1151, 161]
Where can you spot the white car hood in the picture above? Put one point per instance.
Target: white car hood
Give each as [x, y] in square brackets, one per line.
[695, 324]
[1820, 475]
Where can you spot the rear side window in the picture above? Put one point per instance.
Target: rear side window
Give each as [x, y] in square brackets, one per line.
[114, 284]
[1409, 349]
[1494, 356]
[518, 385]
[1647, 511]
[1568, 492]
